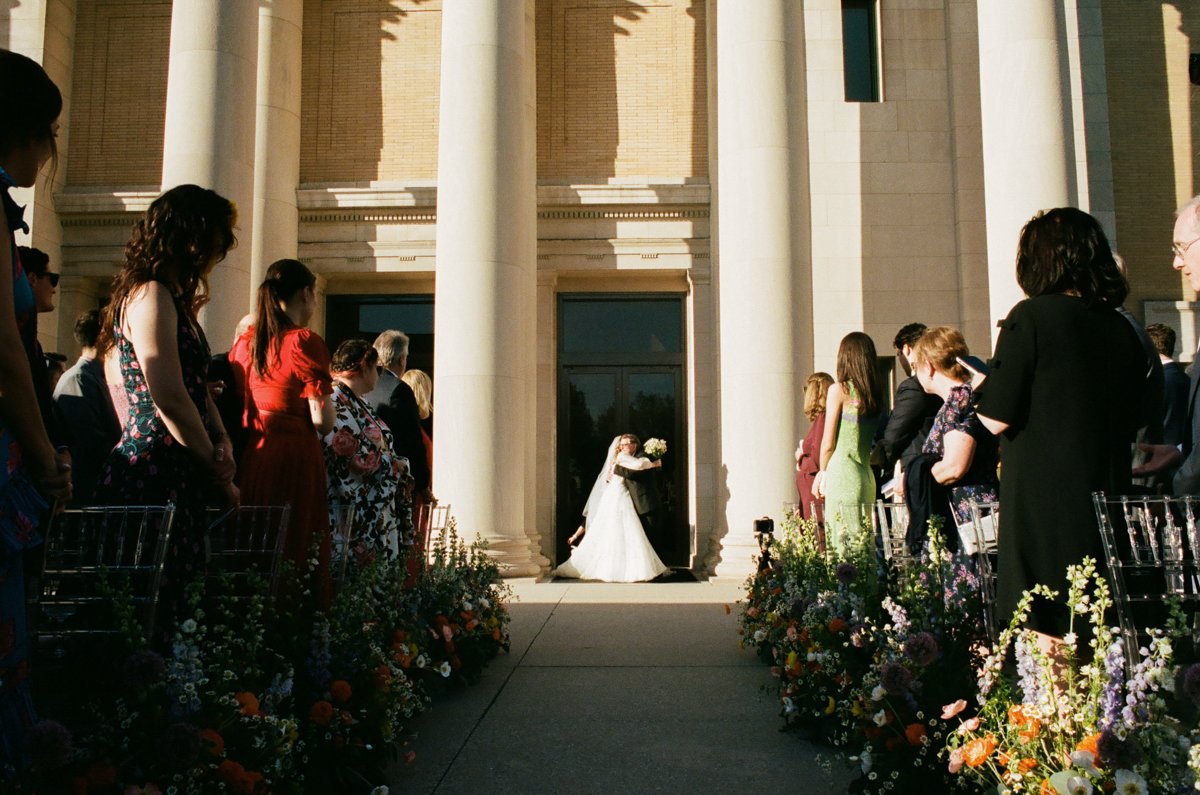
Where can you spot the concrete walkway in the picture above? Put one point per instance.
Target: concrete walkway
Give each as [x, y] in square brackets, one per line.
[617, 689]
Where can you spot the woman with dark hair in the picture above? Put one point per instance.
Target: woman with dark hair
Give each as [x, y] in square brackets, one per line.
[853, 408]
[172, 443]
[1064, 394]
[361, 464]
[32, 475]
[282, 369]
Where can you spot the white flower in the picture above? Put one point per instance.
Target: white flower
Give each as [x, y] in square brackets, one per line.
[444, 669]
[421, 661]
[880, 717]
[1078, 785]
[878, 693]
[1130, 783]
[759, 634]
[1069, 639]
[1085, 761]
[380, 790]
[188, 626]
[864, 760]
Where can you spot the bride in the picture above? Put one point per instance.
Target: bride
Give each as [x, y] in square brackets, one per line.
[615, 547]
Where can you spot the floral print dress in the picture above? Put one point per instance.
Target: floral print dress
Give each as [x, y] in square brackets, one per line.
[980, 482]
[364, 471]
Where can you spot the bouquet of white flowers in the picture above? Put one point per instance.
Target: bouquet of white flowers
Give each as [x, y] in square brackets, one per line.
[655, 448]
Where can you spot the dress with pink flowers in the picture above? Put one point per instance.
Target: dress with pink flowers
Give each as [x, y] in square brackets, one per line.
[363, 470]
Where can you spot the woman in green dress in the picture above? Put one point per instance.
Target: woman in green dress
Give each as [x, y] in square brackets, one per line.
[852, 413]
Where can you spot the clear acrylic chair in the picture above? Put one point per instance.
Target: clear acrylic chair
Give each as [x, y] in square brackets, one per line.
[434, 519]
[341, 530]
[1151, 546]
[983, 545]
[245, 543]
[90, 550]
[890, 522]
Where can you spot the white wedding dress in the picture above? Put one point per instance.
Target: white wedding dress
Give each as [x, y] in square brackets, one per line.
[615, 547]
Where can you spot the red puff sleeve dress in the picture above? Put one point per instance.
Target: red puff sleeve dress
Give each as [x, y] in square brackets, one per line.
[283, 461]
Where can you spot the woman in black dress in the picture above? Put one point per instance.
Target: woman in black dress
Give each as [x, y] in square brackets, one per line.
[1064, 393]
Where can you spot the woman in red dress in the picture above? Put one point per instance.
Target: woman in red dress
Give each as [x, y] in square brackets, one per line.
[282, 369]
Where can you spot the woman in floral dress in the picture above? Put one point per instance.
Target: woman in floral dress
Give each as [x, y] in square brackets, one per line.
[32, 475]
[361, 464]
[173, 447]
[968, 452]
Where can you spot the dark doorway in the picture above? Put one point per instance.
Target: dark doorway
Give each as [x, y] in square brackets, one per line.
[364, 316]
[621, 371]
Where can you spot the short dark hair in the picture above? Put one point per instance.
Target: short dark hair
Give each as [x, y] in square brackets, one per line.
[1064, 250]
[31, 102]
[35, 261]
[352, 355]
[87, 328]
[908, 336]
[1163, 337]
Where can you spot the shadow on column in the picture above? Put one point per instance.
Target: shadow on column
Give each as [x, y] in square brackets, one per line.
[6, 10]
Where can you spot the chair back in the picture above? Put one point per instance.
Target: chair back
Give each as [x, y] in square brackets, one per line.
[432, 521]
[87, 547]
[890, 522]
[341, 530]
[245, 542]
[982, 544]
[1152, 547]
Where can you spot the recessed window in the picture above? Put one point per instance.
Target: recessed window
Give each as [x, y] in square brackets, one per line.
[860, 50]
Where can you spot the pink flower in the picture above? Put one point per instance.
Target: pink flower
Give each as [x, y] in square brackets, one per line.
[956, 760]
[343, 443]
[968, 726]
[365, 464]
[950, 710]
[372, 433]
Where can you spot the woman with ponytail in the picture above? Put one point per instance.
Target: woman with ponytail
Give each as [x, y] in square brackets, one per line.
[282, 368]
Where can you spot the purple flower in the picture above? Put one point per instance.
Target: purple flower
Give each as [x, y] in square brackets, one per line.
[49, 745]
[895, 679]
[1191, 683]
[1115, 752]
[144, 668]
[180, 745]
[922, 649]
[1112, 698]
[846, 572]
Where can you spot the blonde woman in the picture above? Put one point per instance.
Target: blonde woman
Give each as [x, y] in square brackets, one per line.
[808, 454]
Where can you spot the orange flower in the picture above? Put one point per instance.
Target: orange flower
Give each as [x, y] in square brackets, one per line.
[976, 752]
[383, 677]
[837, 625]
[347, 718]
[1026, 764]
[321, 713]
[212, 742]
[233, 775]
[914, 732]
[496, 634]
[1090, 743]
[340, 690]
[248, 702]
[1017, 715]
[399, 636]
[1031, 729]
[253, 779]
[1047, 788]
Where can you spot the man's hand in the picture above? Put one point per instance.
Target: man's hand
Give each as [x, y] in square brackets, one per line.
[1162, 457]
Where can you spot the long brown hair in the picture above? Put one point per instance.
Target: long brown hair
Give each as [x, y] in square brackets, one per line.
[31, 102]
[856, 367]
[183, 234]
[285, 277]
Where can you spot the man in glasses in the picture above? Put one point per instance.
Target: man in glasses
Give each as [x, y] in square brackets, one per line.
[36, 264]
[43, 280]
[1186, 259]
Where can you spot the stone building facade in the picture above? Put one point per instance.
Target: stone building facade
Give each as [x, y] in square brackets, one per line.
[598, 215]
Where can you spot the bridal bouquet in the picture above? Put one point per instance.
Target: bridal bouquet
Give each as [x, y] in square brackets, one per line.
[655, 448]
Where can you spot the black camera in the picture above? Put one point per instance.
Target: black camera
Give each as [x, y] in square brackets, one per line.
[764, 526]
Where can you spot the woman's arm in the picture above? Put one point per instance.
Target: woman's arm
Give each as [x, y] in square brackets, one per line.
[833, 415]
[956, 458]
[18, 402]
[322, 413]
[996, 427]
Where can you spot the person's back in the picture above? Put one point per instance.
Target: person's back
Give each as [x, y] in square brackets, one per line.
[849, 480]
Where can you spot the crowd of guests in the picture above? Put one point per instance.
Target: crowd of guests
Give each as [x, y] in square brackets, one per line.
[148, 415]
[1076, 398]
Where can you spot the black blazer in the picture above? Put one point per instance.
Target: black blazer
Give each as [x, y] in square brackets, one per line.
[909, 424]
[397, 406]
[1176, 389]
[1187, 478]
[643, 488]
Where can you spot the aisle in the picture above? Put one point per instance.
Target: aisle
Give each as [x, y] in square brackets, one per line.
[616, 689]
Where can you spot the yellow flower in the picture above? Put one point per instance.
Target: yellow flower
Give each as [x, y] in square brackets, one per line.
[792, 658]
[831, 706]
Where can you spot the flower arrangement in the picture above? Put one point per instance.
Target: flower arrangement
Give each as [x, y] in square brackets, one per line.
[655, 448]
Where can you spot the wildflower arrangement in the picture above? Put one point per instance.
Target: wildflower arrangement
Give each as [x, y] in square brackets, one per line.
[1076, 719]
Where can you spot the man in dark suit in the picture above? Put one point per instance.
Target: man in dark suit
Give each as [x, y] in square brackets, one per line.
[1187, 259]
[643, 488]
[397, 406]
[1175, 384]
[912, 414]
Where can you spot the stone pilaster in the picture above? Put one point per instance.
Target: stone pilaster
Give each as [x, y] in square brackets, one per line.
[486, 275]
[762, 264]
[209, 135]
[1027, 153]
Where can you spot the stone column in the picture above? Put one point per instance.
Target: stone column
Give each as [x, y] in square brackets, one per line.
[209, 135]
[486, 275]
[762, 263]
[276, 221]
[1027, 156]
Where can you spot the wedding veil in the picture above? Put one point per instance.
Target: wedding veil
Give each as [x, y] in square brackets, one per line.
[601, 481]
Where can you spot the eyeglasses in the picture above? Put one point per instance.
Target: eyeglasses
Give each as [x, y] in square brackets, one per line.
[1181, 249]
[51, 275]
